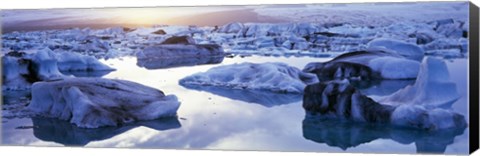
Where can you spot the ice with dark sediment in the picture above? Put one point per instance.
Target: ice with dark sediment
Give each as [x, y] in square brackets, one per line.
[338, 100]
[21, 69]
[371, 64]
[99, 102]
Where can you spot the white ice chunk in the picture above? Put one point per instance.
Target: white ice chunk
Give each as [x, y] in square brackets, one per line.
[415, 116]
[97, 102]
[233, 27]
[180, 51]
[275, 77]
[23, 69]
[402, 48]
[13, 69]
[69, 61]
[394, 67]
[389, 66]
[45, 65]
[432, 87]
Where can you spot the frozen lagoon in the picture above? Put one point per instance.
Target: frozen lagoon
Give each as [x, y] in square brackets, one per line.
[209, 119]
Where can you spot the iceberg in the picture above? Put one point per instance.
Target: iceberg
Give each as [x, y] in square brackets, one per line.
[274, 77]
[339, 100]
[408, 50]
[91, 44]
[180, 47]
[180, 51]
[98, 102]
[20, 69]
[380, 87]
[365, 65]
[162, 63]
[179, 40]
[432, 87]
[69, 61]
[233, 27]
[406, 38]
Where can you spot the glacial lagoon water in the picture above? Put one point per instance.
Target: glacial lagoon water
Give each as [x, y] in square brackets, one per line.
[214, 118]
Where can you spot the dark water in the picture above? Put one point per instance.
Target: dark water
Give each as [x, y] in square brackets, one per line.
[215, 118]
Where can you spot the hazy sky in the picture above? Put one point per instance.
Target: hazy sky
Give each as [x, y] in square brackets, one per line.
[64, 18]
[370, 14]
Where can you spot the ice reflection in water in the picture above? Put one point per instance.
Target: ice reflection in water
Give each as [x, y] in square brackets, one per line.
[213, 118]
[68, 134]
[344, 135]
[264, 98]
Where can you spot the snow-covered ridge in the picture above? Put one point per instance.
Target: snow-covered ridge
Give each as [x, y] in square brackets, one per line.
[97, 102]
[444, 37]
[274, 77]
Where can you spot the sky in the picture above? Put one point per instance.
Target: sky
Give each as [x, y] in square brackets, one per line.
[359, 14]
[130, 17]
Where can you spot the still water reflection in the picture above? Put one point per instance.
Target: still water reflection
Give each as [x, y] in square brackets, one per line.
[216, 118]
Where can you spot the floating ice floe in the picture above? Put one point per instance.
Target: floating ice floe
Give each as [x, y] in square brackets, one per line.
[408, 50]
[300, 38]
[98, 102]
[339, 100]
[233, 27]
[274, 77]
[21, 69]
[68, 61]
[180, 47]
[432, 87]
[366, 65]
[179, 40]
[160, 63]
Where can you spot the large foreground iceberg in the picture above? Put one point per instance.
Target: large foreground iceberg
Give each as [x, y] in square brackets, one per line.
[432, 87]
[339, 100]
[275, 77]
[97, 102]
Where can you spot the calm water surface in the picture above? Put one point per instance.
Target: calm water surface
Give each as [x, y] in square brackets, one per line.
[213, 118]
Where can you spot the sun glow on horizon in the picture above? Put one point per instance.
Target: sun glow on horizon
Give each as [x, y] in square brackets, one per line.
[151, 16]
